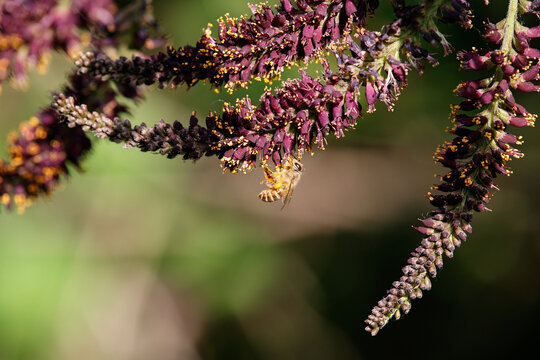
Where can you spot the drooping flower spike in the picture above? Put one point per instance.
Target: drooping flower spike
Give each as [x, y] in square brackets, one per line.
[262, 46]
[479, 152]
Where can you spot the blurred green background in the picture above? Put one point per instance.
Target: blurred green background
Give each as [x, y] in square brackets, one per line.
[141, 257]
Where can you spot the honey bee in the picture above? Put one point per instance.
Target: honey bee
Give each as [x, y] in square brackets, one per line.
[282, 181]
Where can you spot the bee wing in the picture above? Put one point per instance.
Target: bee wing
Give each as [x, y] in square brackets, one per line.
[292, 184]
[288, 196]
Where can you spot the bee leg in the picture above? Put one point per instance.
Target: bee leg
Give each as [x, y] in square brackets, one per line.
[268, 173]
[269, 177]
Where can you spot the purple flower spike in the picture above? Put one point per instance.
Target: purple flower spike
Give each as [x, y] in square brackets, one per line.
[479, 152]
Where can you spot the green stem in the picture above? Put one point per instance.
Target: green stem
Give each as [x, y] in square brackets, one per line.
[511, 18]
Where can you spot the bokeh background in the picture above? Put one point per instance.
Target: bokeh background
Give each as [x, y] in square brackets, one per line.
[141, 257]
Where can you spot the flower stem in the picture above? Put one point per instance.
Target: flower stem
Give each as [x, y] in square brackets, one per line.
[511, 17]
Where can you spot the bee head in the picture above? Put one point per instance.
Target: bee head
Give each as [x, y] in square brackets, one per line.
[297, 166]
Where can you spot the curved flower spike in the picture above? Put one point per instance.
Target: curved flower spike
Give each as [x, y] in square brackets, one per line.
[262, 46]
[479, 152]
[295, 118]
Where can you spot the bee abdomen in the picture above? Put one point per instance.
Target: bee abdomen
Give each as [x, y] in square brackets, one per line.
[269, 195]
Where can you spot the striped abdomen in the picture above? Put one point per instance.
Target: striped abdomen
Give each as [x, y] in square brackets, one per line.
[270, 195]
